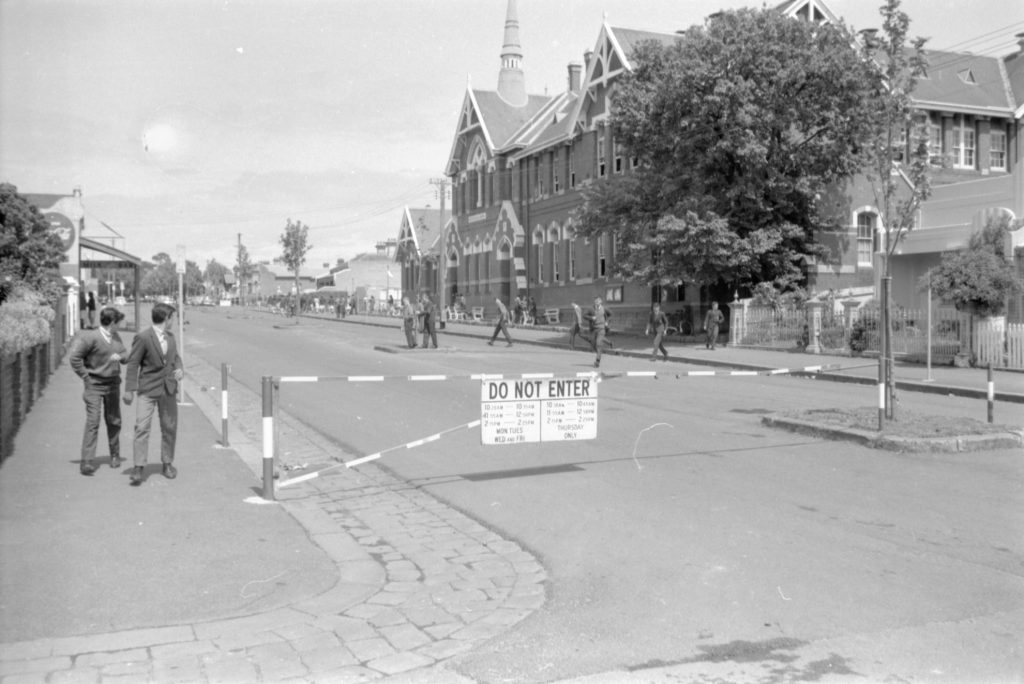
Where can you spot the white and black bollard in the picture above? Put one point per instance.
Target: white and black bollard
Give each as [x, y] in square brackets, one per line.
[268, 437]
[991, 394]
[224, 404]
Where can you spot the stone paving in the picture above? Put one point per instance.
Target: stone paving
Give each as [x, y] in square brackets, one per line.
[418, 582]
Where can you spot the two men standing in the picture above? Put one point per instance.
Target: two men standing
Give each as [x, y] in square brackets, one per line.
[154, 370]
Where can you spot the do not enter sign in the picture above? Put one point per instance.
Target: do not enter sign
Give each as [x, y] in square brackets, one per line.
[547, 410]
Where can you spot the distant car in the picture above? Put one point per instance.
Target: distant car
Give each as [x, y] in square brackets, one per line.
[164, 299]
[120, 301]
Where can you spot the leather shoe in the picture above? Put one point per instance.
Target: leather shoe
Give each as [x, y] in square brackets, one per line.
[170, 472]
[87, 468]
[115, 461]
[136, 477]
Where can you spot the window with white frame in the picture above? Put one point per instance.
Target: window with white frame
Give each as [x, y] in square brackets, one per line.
[617, 151]
[556, 183]
[538, 245]
[602, 264]
[572, 257]
[935, 144]
[963, 143]
[572, 170]
[555, 258]
[899, 144]
[602, 164]
[997, 150]
[866, 221]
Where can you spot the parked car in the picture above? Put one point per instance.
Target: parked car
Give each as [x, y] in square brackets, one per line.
[120, 301]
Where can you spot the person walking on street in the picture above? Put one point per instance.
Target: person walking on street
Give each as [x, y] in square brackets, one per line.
[577, 327]
[502, 324]
[429, 313]
[409, 322]
[90, 307]
[96, 356]
[599, 324]
[658, 322]
[712, 320]
[154, 371]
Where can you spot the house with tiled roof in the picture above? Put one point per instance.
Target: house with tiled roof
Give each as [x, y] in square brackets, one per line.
[518, 163]
[418, 250]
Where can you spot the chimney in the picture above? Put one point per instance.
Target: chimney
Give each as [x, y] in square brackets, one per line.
[587, 56]
[575, 68]
[1020, 42]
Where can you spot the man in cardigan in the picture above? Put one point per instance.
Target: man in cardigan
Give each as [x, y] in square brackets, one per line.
[154, 370]
[96, 357]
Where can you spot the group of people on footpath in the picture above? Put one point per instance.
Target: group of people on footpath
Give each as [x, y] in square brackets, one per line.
[153, 371]
[420, 317]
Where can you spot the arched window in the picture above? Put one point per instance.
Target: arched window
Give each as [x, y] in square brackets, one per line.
[553, 238]
[478, 162]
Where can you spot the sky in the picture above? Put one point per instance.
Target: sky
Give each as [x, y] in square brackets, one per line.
[191, 122]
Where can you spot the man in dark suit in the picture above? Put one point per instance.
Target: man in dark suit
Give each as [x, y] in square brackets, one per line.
[154, 370]
[96, 357]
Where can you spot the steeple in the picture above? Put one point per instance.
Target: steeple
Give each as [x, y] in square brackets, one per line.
[511, 81]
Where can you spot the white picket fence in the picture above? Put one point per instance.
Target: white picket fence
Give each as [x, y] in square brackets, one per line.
[1001, 348]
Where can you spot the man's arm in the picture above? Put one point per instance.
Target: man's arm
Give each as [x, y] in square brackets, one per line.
[135, 358]
[80, 347]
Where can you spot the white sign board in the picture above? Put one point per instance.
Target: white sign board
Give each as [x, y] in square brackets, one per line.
[548, 410]
[180, 264]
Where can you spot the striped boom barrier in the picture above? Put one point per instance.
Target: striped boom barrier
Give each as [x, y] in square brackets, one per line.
[373, 457]
[544, 376]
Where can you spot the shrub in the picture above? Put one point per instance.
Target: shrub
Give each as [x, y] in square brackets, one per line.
[25, 321]
[859, 337]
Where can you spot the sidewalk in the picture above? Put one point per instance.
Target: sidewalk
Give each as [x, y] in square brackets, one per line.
[967, 382]
[354, 577]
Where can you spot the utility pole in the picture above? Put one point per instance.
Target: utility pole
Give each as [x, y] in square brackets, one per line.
[442, 185]
[241, 301]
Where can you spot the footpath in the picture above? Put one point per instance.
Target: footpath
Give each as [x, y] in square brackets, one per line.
[354, 576]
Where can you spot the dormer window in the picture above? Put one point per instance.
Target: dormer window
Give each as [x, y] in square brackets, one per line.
[967, 76]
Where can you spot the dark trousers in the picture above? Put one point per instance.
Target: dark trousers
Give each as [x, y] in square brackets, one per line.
[712, 335]
[409, 325]
[575, 331]
[598, 341]
[102, 398]
[428, 330]
[166, 407]
[659, 344]
[503, 327]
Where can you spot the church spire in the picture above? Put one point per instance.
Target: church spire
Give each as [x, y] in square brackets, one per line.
[511, 81]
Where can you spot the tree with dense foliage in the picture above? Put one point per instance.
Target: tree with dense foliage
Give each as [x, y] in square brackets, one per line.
[159, 276]
[295, 241]
[978, 279]
[215, 275]
[739, 127]
[30, 252]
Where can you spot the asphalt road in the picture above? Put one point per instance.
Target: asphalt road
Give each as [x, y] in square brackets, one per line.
[686, 534]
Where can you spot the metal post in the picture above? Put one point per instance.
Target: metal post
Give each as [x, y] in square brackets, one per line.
[181, 329]
[929, 340]
[224, 404]
[991, 394]
[268, 437]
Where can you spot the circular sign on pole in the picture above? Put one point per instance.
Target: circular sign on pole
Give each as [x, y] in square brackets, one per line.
[63, 227]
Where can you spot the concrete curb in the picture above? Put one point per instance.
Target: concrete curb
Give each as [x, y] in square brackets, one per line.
[964, 443]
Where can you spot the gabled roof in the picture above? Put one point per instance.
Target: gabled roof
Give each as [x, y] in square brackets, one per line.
[552, 125]
[965, 81]
[420, 232]
[501, 119]
[815, 10]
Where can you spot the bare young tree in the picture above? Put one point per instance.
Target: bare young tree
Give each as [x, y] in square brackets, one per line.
[295, 241]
